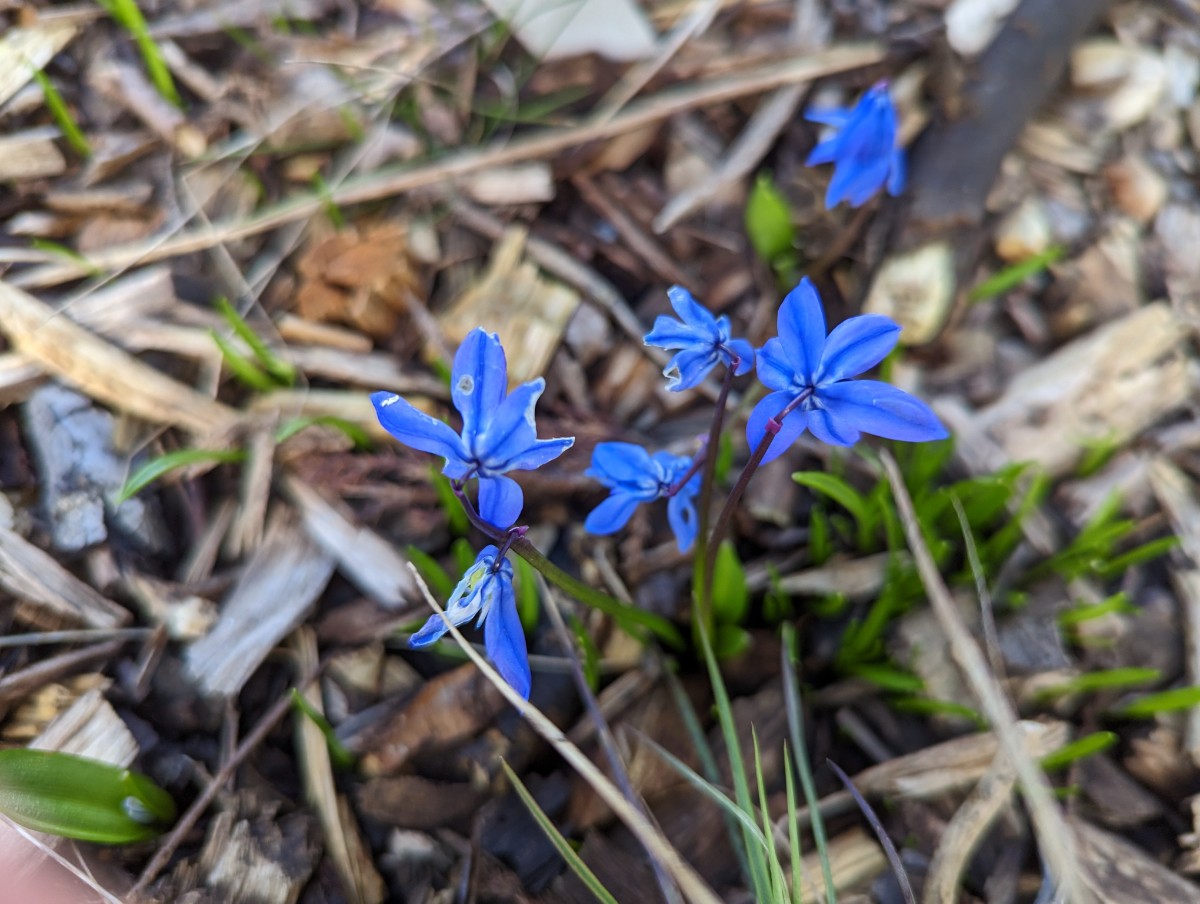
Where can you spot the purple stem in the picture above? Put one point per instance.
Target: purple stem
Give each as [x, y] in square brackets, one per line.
[704, 509]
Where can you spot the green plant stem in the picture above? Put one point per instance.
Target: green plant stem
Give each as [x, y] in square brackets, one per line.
[701, 571]
[630, 618]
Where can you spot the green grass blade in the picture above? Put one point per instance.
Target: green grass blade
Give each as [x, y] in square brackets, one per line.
[152, 470]
[1011, 277]
[283, 372]
[1164, 702]
[797, 858]
[242, 367]
[574, 861]
[1076, 750]
[779, 883]
[338, 754]
[354, 432]
[791, 697]
[431, 572]
[62, 115]
[129, 17]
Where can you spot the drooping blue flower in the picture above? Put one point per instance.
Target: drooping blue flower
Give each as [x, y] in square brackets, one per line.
[703, 340]
[635, 476]
[486, 590]
[864, 150]
[810, 374]
[498, 432]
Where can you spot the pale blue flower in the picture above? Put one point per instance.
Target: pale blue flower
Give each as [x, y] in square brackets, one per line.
[635, 476]
[864, 149]
[704, 340]
[498, 432]
[810, 375]
[486, 590]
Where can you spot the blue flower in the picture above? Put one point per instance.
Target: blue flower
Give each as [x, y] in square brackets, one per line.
[703, 339]
[864, 149]
[635, 476]
[498, 433]
[810, 373]
[486, 590]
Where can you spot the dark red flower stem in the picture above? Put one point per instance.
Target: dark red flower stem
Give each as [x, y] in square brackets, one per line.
[701, 567]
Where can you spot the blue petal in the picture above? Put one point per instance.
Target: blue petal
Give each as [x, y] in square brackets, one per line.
[668, 468]
[500, 501]
[882, 410]
[689, 367]
[619, 465]
[431, 631]
[504, 639]
[478, 381]
[898, 175]
[775, 371]
[670, 333]
[681, 514]
[416, 429]
[801, 323]
[691, 311]
[511, 430]
[612, 514]
[745, 353]
[857, 344]
[541, 452]
[828, 116]
[789, 430]
[856, 181]
[830, 429]
[823, 152]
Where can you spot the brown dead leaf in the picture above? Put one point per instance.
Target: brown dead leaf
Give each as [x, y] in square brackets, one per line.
[359, 277]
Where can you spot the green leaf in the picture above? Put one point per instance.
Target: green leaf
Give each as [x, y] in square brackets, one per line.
[452, 507]
[1147, 552]
[1103, 680]
[1011, 277]
[529, 604]
[564, 848]
[844, 495]
[930, 706]
[1117, 603]
[769, 221]
[62, 115]
[464, 554]
[280, 371]
[590, 659]
[731, 641]
[888, 677]
[150, 471]
[354, 432]
[80, 798]
[820, 541]
[338, 754]
[1164, 702]
[242, 367]
[129, 17]
[433, 574]
[730, 598]
[1079, 749]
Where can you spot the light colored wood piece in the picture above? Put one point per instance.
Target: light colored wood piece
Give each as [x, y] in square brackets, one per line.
[31, 154]
[90, 727]
[104, 372]
[24, 51]
[35, 577]
[272, 596]
[1107, 386]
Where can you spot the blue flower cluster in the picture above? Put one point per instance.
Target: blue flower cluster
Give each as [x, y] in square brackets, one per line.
[863, 148]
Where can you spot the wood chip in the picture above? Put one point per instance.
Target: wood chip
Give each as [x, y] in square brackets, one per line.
[272, 596]
[90, 727]
[512, 298]
[32, 154]
[24, 51]
[1105, 387]
[35, 577]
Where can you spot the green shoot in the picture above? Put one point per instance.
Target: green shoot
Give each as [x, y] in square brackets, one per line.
[529, 604]
[355, 433]
[279, 370]
[452, 507]
[730, 598]
[1164, 702]
[75, 797]
[1102, 680]
[1011, 277]
[431, 572]
[338, 754]
[150, 471]
[564, 848]
[327, 203]
[1078, 749]
[126, 14]
[62, 115]
[769, 224]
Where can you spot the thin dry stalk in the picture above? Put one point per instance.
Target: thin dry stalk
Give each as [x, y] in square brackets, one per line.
[693, 887]
[1055, 838]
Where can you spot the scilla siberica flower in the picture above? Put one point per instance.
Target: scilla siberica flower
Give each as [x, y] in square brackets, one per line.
[703, 341]
[810, 375]
[864, 149]
[635, 476]
[486, 590]
[498, 432]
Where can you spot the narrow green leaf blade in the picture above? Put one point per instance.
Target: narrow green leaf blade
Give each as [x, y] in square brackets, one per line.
[150, 471]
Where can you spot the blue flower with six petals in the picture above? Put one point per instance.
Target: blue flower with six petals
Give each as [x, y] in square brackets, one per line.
[864, 150]
[635, 476]
[498, 432]
[704, 340]
[486, 590]
[810, 374]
